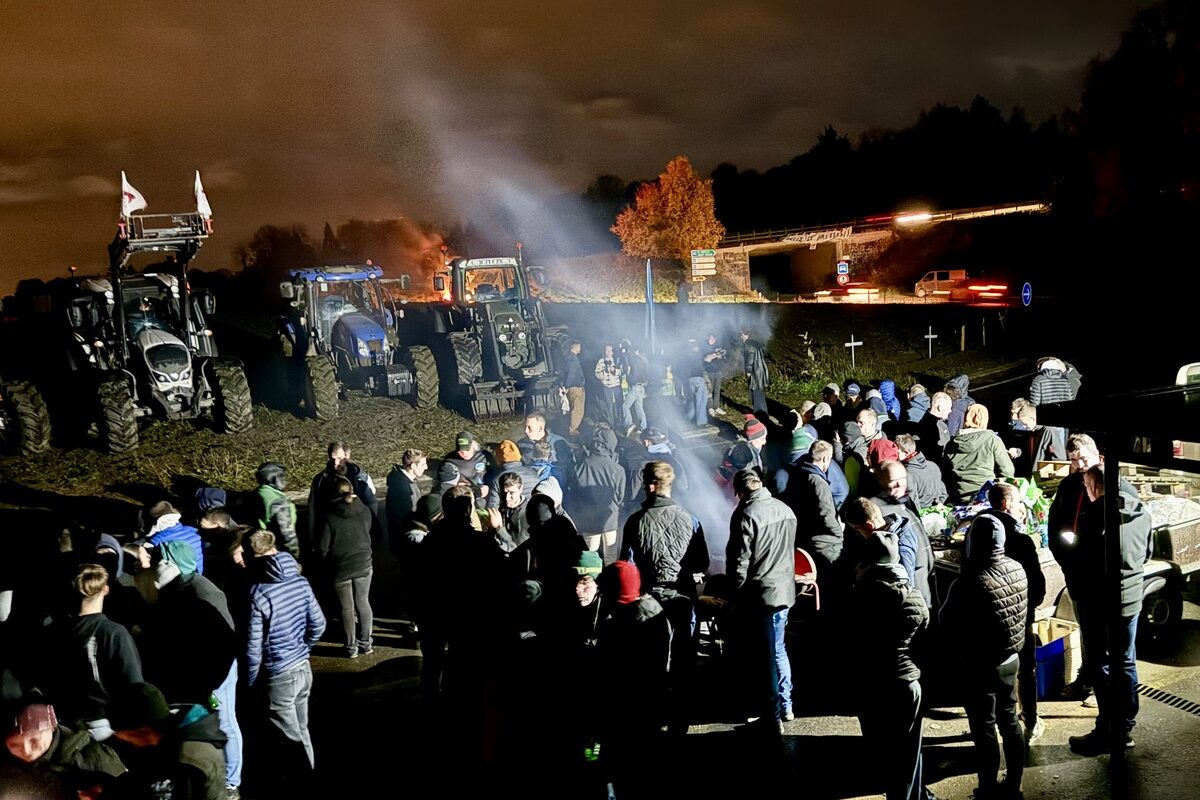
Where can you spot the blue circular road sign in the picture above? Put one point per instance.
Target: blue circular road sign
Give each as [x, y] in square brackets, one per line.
[1026, 294]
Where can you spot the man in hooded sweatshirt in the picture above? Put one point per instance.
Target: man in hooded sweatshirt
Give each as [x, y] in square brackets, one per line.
[854, 455]
[599, 494]
[1102, 630]
[339, 465]
[958, 388]
[285, 624]
[1050, 384]
[343, 548]
[887, 614]
[277, 513]
[810, 496]
[975, 455]
[167, 528]
[918, 404]
[887, 390]
[925, 484]
[986, 613]
[55, 758]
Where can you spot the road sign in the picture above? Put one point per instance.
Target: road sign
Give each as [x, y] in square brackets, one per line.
[1026, 294]
[704, 262]
[843, 268]
[843, 279]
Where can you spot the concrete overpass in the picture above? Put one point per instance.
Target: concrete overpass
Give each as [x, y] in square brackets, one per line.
[809, 256]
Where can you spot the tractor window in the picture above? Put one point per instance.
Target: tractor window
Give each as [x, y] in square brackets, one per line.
[146, 313]
[493, 283]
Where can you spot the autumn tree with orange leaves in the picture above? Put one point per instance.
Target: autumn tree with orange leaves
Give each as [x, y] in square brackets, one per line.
[672, 216]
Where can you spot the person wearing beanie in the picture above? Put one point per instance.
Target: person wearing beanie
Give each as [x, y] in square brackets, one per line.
[587, 569]
[277, 513]
[55, 758]
[180, 745]
[656, 446]
[448, 477]
[634, 648]
[746, 452]
[986, 612]
[760, 558]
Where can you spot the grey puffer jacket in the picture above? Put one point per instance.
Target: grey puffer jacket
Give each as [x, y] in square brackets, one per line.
[986, 607]
[761, 555]
[667, 545]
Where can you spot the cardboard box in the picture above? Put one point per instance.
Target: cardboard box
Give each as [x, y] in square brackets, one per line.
[1053, 469]
[1059, 655]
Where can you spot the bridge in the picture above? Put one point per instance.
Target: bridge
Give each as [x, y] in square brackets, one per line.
[811, 253]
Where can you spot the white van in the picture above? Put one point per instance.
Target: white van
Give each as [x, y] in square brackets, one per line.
[940, 281]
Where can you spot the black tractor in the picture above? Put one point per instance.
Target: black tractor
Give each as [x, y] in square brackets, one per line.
[497, 355]
[24, 420]
[138, 344]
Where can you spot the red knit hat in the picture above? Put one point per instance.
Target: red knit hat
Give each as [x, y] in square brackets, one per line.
[623, 580]
[754, 428]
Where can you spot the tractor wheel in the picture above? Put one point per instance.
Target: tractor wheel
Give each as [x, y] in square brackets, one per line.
[425, 377]
[468, 361]
[320, 389]
[118, 423]
[232, 412]
[30, 433]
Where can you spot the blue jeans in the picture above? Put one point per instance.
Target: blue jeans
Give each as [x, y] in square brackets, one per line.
[698, 392]
[226, 695]
[1116, 696]
[782, 665]
[634, 401]
[287, 695]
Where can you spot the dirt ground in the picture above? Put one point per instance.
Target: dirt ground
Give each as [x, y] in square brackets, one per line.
[805, 351]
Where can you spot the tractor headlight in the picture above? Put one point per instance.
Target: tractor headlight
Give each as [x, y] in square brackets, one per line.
[363, 350]
[521, 335]
[161, 378]
[504, 337]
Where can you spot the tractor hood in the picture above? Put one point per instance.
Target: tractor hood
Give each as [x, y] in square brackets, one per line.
[362, 327]
[167, 359]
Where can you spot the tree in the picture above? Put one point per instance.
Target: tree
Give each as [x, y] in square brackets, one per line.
[671, 216]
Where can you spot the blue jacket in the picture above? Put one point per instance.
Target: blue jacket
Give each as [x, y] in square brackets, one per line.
[838, 484]
[888, 390]
[181, 533]
[917, 407]
[285, 620]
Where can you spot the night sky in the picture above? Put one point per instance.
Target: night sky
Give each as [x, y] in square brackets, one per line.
[436, 109]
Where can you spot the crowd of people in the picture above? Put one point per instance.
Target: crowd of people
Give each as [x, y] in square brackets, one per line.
[551, 564]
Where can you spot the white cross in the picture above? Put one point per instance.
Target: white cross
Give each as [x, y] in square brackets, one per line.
[852, 345]
[931, 336]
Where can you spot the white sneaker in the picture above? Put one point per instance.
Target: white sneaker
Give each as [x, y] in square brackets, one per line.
[712, 413]
[720, 412]
[1035, 733]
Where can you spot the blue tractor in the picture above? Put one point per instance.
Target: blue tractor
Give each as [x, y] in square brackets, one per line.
[340, 336]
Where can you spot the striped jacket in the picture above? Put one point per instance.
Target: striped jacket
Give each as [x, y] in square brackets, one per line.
[1050, 386]
[285, 620]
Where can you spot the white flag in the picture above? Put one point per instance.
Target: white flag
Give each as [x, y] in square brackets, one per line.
[131, 198]
[202, 206]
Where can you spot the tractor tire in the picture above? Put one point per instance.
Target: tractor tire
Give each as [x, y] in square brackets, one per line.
[29, 415]
[426, 384]
[468, 361]
[320, 388]
[118, 423]
[233, 412]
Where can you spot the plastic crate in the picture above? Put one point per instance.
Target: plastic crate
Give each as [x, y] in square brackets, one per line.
[1058, 654]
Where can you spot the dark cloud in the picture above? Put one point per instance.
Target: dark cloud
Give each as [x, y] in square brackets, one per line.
[437, 110]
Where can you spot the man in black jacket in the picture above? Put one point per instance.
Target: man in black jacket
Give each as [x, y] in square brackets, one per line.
[1007, 507]
[599, 494]
[811, 500]
[757, 377]
[339, 465]
[985, 611]
[887, 614]
[925, 484]
[403, 493]
[1101, 630]
[762, 564]
[894, 501]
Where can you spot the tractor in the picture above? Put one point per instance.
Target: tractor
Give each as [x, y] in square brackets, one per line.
[140, 342]
[491, 337]
[24, 420]
[340, 335]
